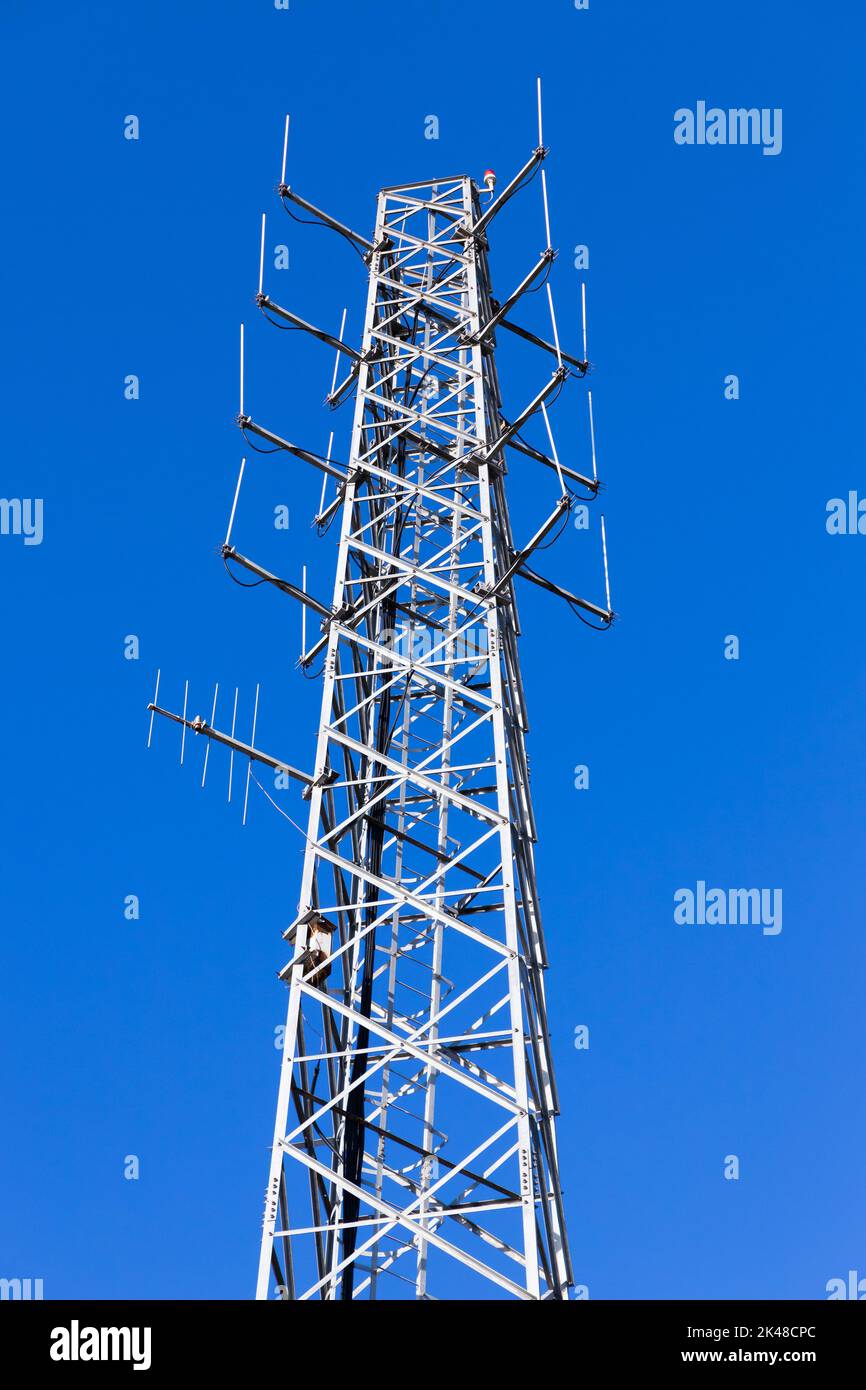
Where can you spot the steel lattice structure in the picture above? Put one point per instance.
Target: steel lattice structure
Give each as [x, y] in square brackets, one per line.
[417, 1090]
[415, 1124]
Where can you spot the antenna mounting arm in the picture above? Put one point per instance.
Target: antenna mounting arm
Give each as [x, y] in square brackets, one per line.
[265, 303]
[546, 258]
[286, 192]
[228, 552]
[536, 158]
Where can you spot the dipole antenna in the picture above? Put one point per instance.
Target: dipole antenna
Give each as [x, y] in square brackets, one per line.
[285, 154]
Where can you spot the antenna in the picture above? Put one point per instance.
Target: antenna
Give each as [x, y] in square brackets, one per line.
[337, 360]
[241, 411]
[553, 449]
[553, 324]
[212, 723]
[592, 437]
[540, 132]
[285, 152]
[183, 727]
[583, 316]
[232, 754]
[546, 209]
[152, 712]
[250, 763]
[235, 502]
[262, 257]
[325, 476]
[303, 613]
[606, 576]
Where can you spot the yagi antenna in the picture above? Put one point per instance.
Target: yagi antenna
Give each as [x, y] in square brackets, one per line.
[212, 724]
[235, 502]
[262, 257]
[250, 763]
[152, 712]
[232, 753]
[592, 437]
[285, 153]
[606, 576]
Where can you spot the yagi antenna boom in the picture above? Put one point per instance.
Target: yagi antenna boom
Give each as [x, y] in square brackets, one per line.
[246, 750]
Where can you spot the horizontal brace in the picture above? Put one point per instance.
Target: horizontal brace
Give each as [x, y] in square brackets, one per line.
[409, 1046]
[438, 1210]
[413, 1224]
[456, 1042]
[478, 1179]
[417, 778]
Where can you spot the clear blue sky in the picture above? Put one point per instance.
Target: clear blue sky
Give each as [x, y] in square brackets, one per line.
[155, 1037]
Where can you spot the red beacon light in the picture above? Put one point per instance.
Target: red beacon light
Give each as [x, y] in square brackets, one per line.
[489, 180]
